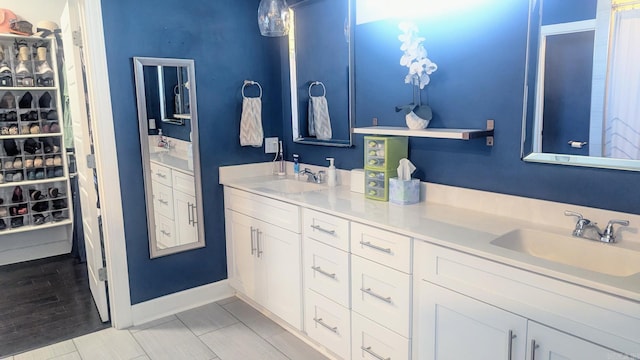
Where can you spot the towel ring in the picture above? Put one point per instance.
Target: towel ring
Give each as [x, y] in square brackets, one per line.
[314, 83]
[251, 82]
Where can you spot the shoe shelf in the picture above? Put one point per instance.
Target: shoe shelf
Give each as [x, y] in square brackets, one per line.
[34, 177]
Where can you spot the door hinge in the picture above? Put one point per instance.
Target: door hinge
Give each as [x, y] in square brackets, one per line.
[91, 161]
[77, 38]
[102, 274]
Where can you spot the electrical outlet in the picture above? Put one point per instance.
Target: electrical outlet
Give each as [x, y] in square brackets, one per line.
[271, 145]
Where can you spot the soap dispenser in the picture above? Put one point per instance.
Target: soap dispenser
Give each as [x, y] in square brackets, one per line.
[332, 176]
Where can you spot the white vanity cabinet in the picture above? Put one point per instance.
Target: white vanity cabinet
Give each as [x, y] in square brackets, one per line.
[174, 205]
[264, 253]
[521, 316]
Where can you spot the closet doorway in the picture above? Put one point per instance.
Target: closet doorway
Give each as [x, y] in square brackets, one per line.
[53, 294]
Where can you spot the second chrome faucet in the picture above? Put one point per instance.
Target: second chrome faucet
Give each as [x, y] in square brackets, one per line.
[587, 229]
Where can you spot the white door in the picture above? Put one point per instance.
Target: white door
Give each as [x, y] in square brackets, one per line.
[83, 147]
[241, 234]
[548, 344]
[453, 327]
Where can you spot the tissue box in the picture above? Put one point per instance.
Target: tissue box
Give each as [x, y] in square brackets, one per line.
[357, 180]
[404, 192]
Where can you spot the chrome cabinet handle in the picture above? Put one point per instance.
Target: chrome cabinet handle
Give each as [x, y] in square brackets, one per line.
[161, 175]
[372, 353]
[253, 231]
[319, 269]
[163, 202]
[321, 229]
[259, 235]
[193, 214]
[534, 346]
[375, 247]
[333, 329]
[189, 213]
[377, 296]
[165, 233]
[510, 338]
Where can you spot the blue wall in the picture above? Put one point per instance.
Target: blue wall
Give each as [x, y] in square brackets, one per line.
[223, 38]
[481, 59]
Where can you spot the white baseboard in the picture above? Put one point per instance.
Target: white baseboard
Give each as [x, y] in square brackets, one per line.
[180, 301]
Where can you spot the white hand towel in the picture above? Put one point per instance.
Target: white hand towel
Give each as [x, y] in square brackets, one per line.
[321, 120]
[251, 122]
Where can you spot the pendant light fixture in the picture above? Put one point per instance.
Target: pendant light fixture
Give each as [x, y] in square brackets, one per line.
[273, 18]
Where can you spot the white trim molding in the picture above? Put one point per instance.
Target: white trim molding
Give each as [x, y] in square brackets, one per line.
[181, 301]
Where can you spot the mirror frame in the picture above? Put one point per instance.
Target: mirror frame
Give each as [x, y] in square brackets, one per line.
[163, 101]
[293, 82]
[527, 145]
[139, 64]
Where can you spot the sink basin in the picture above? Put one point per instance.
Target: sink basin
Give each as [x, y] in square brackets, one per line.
[290, 186]
[582, 253]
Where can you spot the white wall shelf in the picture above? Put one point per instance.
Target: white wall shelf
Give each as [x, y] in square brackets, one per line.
[440, 133]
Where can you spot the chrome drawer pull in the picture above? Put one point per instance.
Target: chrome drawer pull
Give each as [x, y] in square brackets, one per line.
[161, 175]
[368, 291]
[253, 248]
[534, 346]
[165, 233]
[510, 338]
[369, 244]
[163, 202]
[319, 269]
[319, 228]
[333, 329]
[258, 236]
[370, 352]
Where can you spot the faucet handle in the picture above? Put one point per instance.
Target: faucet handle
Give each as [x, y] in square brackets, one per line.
[608, 233]
[573, 213]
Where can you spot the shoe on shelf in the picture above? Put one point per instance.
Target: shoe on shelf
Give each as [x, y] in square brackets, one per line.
[17, 176]
[38, 162]
[8, 165]
[3, 225]
[8, 101]
[45, 100]
[57, 160]
[48, 161]
[39, 219]
[59, 204]
[4, 212]
[58, 216]
[17, 222]
[17, 197]
[26, 101]
[44, 70]
[35, 194]
[22, 69]
[40, 206]
[53, 192]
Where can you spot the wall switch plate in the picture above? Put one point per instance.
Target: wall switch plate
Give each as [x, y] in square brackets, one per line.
[271, 145]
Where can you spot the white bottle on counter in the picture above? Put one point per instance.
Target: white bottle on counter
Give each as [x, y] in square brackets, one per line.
[332, 175]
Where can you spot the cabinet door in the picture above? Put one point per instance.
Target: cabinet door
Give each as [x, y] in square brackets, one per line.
[278, 254]
[162, 199]
[545, 343]
[453, 326]
[185, 217]
[241, 231]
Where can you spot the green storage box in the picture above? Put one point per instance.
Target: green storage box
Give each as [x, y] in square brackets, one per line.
[382, 155]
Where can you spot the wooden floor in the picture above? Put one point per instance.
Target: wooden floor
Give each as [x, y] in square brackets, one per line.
[44, 302]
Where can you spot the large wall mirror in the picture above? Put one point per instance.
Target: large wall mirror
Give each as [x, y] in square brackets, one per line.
[321, 72]
[168, 123]
[583, 84]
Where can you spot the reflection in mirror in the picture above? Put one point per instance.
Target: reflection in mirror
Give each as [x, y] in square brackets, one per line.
[321, 72]
[170, 157]
[583, 83]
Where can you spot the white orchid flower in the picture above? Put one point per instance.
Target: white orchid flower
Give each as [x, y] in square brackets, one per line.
[415, 56]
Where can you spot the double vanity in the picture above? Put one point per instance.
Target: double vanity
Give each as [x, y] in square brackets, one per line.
[463, 275]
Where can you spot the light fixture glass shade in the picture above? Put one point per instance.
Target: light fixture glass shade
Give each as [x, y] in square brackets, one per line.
[273, 18]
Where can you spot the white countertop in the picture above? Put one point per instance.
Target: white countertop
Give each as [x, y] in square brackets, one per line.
[174, 162]
[458, 228]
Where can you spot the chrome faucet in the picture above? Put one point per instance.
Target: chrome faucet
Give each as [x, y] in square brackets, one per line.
[590, 230]
[317, 178]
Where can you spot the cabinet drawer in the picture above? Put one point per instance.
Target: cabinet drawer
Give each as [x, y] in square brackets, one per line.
[162, 199]
[328, 323]
[381, 246]
[382, 294]
[279, 213]
[326, 271]
[372, 341]
[183, 183]
[160, 174]
[165, 232]
[325, 228]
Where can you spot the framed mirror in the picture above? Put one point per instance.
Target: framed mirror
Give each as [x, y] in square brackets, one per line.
[321, 72]
[170, 157]
[582, 84]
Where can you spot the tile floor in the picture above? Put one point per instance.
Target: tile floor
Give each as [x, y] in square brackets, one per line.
[229, 329]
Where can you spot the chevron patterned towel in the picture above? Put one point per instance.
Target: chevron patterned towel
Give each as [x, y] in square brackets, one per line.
[251, 122]
[320, 118]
